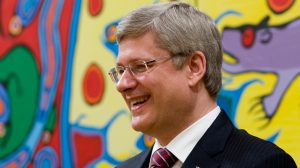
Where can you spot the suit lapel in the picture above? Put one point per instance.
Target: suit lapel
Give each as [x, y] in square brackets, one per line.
[212, 143]
[143, 159]
[139, 161]
[199, 158]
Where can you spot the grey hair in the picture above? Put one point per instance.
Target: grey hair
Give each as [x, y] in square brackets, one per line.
[181, 29]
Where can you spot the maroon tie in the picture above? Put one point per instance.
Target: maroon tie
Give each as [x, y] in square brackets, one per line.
[162, 158]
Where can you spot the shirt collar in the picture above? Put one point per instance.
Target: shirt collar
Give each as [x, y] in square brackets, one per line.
[182, 145]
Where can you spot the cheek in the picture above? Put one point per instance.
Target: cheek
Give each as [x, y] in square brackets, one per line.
[149, 81]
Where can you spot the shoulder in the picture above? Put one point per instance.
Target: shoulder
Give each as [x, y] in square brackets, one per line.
[277, 160]
[252, 143]
[256, 151]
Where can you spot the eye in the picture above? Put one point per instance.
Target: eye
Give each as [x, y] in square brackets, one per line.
[248, 37]
[150, 63]
[120, 70]
[265, 36]
[138, 67]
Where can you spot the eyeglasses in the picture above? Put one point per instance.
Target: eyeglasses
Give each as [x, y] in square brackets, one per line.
[135, 68]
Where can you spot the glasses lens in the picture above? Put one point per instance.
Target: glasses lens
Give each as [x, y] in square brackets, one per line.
[120, 70]
[138, 67]
[114, 75]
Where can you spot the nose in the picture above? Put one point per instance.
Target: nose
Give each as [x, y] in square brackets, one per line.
[126, 82]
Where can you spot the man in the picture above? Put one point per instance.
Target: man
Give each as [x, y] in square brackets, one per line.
[169, 73]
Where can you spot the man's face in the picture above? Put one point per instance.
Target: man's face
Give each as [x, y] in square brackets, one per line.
[158, 97]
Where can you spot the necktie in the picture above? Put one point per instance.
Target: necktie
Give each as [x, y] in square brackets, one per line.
[162, 158]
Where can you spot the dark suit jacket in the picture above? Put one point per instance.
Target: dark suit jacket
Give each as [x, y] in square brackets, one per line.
[225, 146]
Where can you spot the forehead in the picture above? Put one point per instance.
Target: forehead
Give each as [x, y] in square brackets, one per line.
[140, 48]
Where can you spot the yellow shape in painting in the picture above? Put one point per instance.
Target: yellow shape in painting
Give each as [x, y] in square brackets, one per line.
[250, 109]
[122, 138]
[105, 164]
[90, 50]
[252, 117]
[250, 113]
[287, 119]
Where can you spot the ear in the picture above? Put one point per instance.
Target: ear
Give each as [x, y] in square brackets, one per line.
[196, 68]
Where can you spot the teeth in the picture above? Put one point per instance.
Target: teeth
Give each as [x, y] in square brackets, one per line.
[138, 100]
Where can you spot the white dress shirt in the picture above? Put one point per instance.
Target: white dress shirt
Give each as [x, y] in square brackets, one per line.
[182, 145]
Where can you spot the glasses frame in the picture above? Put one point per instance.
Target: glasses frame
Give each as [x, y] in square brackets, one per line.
[116, 73]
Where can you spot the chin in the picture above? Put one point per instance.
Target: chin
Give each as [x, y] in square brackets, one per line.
[142, 123]
[139, 126]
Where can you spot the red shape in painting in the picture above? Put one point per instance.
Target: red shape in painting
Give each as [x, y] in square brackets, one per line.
[248, 37]
[95, 7]
[88, 147]
[280, 6]
[93, 84]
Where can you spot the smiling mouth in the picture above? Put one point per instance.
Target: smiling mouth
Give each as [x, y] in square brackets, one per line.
[135, 103]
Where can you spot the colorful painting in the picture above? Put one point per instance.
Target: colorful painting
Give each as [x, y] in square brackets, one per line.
[58, 107]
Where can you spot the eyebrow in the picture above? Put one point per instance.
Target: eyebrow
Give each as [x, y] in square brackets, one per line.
[135, 60]
[130, 61]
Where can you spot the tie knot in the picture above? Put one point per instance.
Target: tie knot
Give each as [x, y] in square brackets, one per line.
[162, 158]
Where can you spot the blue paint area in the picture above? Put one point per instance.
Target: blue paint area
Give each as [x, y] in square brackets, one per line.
[35, 135]
[140, 143]
[102, 132]
[4, 114]
[229, 99]
[65, 133]
[108, 39]
[46, 158]
[27, 9]
[44, 43]
[25, 151]
[225, 14]
[274, 137]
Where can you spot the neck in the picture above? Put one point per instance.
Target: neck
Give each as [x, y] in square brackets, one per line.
[176, 127]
